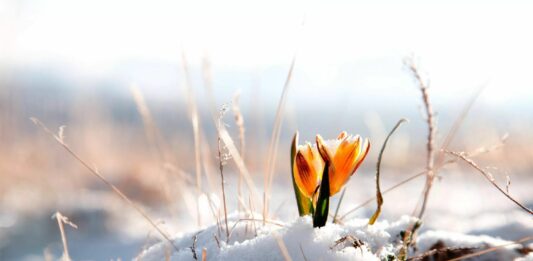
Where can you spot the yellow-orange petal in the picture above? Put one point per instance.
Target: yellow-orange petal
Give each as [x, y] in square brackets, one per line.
[322, 148]
[344, 163]
[314, 159]
[305, 176]
[362, 155]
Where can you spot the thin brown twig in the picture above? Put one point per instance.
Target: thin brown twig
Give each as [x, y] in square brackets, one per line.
[221, 162]
[379, 196]
[239, 121]
[488, 177]
[252, 215]
[430, 120]
[95, 173]
[492, 249]
[235, 155]
[339, 206]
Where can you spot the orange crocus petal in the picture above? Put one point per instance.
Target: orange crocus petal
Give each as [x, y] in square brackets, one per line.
[306, 176]
[345, 160]
[362, 155]
[313, 158]
[323, 148]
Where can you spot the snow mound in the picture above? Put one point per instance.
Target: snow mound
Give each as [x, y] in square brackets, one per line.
[354, 240]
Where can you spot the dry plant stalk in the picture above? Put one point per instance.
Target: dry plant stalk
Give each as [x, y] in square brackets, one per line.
[154, 138]
[432, 165]
[150, 128]
[223, 133]
[335, 220]
[430, 145]
[94, 172]
[212, 107]
[252, 215]
[492, 249]
[274, 142]
[379, 196]
[488, 177]
[221, 161]
[239, 121]
[235, 155]
[60, 221]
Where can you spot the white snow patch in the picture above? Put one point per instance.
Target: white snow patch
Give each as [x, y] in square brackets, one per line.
[303, 242]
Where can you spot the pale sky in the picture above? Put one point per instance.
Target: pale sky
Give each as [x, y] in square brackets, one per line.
[460, 44]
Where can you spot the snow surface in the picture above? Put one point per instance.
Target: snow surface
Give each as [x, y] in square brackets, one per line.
[303, 242]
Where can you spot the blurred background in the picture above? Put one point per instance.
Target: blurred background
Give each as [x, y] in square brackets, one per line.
[74, 63]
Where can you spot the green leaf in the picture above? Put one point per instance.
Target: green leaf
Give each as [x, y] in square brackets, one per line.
[322, 204]
[305, 205]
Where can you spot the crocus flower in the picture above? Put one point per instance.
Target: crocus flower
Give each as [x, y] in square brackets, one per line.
[344, 154]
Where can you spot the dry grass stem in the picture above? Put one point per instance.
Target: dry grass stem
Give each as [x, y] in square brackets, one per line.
[63, 220]
[488, 177]
[239, 121]
[150, 128]
[335, 220]
[274, 142]
[221, 161]
[235, 155]
[154, 138]
[252, 215]
[95, 173]
[193, 110]
[379, 196]
[430, 120]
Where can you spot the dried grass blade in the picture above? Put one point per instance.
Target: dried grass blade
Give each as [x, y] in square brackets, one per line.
[379, 197]
[274, 142]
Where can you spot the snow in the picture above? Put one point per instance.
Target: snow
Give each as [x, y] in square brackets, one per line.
[303, 242]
